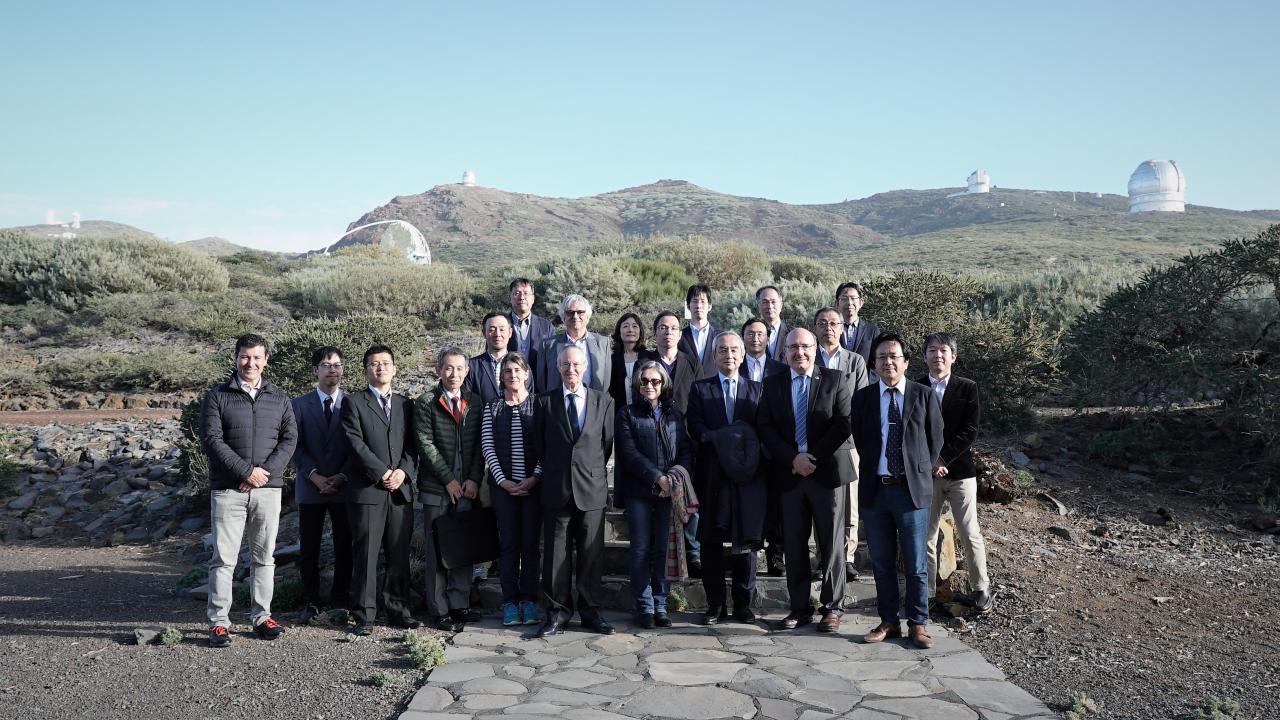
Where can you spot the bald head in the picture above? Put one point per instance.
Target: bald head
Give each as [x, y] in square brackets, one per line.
[801, 348]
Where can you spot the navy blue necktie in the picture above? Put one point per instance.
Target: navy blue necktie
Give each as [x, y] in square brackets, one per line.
[893, 449]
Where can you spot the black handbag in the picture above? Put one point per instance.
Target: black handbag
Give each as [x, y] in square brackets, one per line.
[466, 537]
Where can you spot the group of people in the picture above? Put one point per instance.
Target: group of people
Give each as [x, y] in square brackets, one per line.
[724, 442]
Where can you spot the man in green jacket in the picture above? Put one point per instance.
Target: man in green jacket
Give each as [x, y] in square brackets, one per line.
[447, 422]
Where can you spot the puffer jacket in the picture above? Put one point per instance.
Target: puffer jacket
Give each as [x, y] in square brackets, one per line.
[239, 433]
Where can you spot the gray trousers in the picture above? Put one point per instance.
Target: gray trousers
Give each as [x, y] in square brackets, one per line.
[251, 517]
[446, 589]
[809, 508]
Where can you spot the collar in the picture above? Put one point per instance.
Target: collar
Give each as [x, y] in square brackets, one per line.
[579, 341]
[496, 358]
[448, 396]
[854, 323]
[377, 394]
[758, 360]
[795, 374]
[336, 396]
[581, 392]
[518, 320]
[240, 383]
[935, 381]
[699, 328]
[732, 380]
[901, 386]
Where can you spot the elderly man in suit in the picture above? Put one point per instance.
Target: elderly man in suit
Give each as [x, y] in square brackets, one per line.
[575, 310]
[858, 332]
[696, 339]
[572, 440]
[769, 305]
[955, 475]
[248, 431]
[320, 488]
[828, 326]
[803, 422]
[716, 403]
[482, 370]
[379, 427]
[756, 366]
[527, 329]
[898, 430]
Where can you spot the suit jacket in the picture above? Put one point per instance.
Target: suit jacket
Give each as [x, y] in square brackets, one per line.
[683, 374]
[960, 414]
[481, 380]
[378, 444]
[618, 378]
[322, 447]
[853, 365]
[540, 329]
[572, 470]
[707, 360]
[861, 340]
[771, 367]
[599, 348]
[827, 425]
[780, 352]
[706, 413]
[921, 440]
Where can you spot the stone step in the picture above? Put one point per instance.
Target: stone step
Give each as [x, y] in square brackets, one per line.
[617, 557]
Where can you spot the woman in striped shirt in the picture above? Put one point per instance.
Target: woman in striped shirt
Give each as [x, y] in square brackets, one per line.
[504, 435]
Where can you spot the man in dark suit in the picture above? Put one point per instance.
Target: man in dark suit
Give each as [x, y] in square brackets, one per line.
[756, 366]
[571, 443]
[527, 329]
[320, 488]
[575, 310]
[715, 403]
[803, 421]
[769, 305]
[696, 339]
[858, 332]
[379, 428]
[898, 430]
[955, 475]
[482, 370]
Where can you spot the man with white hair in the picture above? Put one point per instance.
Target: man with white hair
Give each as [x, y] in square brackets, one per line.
[575, 311]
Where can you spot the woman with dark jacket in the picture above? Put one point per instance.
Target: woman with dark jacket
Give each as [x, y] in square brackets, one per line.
[651, 445]
[628, 345]
[505, 433]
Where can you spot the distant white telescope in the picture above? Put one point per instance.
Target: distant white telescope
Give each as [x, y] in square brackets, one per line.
[469, 178]
[1158, 186]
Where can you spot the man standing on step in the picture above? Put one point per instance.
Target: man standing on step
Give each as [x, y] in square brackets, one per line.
[248, 432]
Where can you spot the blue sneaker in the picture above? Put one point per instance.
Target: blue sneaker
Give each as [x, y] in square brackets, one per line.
[510, 614]
[529, 611]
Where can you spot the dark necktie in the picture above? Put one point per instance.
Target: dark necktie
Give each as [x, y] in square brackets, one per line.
[801, 410]
[573, 416]
[728, 400]
[328, 410]
[386, 406]
[893, 447]
[457, 412]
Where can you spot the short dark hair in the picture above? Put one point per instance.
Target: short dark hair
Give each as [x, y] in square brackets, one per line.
[768, 287]
[617, 331]
[518, 282]
[846, 285]
[664, 313]
[752, 321]
[940, 338]
[377, 350]
[885, 337]
[321, 353]
[696, 290]
[490, 316]
[251, 340]
[823, 310]
[445, 354]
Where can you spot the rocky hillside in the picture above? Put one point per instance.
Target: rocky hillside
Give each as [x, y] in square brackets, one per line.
[215, 246]
[89, 229]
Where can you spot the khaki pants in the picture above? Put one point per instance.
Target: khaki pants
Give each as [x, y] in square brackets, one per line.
[252, 517]
[963, 494]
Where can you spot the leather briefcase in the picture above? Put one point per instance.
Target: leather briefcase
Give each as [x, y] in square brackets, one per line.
[466, 537]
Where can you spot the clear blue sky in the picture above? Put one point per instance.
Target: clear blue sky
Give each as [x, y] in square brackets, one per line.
[277, 124]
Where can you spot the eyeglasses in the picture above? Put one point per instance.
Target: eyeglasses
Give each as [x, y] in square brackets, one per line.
[808, 346]
[575, 312]
[828, 323]
[330, 366]
[655, 382]
[850, 298]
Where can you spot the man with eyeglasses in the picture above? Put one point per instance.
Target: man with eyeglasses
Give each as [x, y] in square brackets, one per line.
[575, 310]
[756, 366]
[858, 332]
[897, 427]
[803, 421]
[769, 305]
[528, 329]
[320, 488]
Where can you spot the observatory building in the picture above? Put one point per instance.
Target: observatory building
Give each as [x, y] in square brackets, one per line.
[979, 182]
[469, 178]
[1157, 186]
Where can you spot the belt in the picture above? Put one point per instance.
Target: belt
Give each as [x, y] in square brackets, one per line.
[892, 479]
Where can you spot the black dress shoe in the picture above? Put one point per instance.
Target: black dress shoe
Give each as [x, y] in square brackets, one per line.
[308, 614]
[713, 616]
[695, 568]
[661, 619]
[775, 566]
[598, 624]
[851, 573]
[466, 615]
[982, 601]
[744, 615]
[363, 629]
[447, 624]
[551, 627]
[644, 621]
[408, 622]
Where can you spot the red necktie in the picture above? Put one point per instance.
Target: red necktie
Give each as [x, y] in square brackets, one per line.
[457, 413]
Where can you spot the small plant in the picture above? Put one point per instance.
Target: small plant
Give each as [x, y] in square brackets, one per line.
[334, 616]
[286, 596]
[193, 577]
[677, 601]
[382, 679]
[1025, 481]
[170, 636]
[1218, 709]
[1082, 706]
[424, 651]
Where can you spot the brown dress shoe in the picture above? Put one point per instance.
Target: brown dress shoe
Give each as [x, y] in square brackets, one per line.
[920, 637]
[882, 631]
[830, 622]
[795, 620]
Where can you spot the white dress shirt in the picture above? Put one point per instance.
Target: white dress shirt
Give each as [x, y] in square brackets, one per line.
[581, 394]
[755, 368]
[939, 386]
[337, 398]
[882, 467]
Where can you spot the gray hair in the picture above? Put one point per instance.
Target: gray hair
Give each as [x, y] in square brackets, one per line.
[448, 352]
[571, 299]
[939, 338]
[662, 373]
[715, 343]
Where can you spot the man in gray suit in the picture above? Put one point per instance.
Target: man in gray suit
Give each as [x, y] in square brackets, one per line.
[769, 305]
[897, 426]
[827, 325]
[321, 488]
[575, 310]
[571, 443]
[527, 329]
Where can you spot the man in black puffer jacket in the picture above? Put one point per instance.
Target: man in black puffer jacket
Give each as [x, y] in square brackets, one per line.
[248, 431]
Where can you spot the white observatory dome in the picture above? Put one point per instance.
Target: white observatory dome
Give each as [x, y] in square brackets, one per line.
[469, 178]
[979, 182]
[1157, 186]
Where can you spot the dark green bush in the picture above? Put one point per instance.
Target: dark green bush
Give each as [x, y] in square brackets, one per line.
[600, 279]
[65, 273]
[719, 265]
[824, 272]
[287, 595]
[657, 281]
[290, 363]
[33, 319]
[162, 369]
[260, 272]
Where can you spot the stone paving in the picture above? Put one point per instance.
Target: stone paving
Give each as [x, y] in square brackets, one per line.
[732, 670]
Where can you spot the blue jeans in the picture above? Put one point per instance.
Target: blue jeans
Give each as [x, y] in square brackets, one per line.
[893, 523]
[649, 524]
[693, 547]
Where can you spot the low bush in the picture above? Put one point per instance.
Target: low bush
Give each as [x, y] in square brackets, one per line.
[259, 272]
[159, 369]
[208, 316]
[33, 319]
[290, 363]
[819, 272]
[720, 265]
[170, 636]
[424, 651]
[600, 279]
[657, 282]
[287, 595]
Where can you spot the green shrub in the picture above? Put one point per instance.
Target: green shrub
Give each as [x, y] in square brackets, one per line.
[193, 577]
[383, 679]
[363, 280]
[209, 316]
[287, 595]
[718, 265]
[1082, 706]
[33, 319]
[193, 464]
[1058, 296]
[259, 272]
[160, 369]
[599, 279]
[65, 273]
[170, 636]
[827, 273]
[1218, 709]
[21, 379]
[424, 651]
[676, 599]
[657, 282]
[290, 363]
